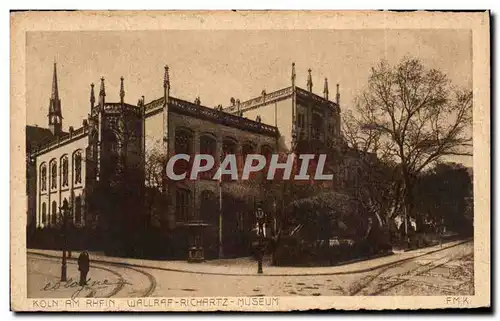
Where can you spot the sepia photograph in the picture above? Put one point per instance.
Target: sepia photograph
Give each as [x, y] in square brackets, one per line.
[211, 168]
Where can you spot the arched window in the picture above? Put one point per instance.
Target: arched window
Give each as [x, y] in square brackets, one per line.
[78, 209]
[247, 149]
[54, 213]
[183, 205]
[229, 147]
[209, 207]
[317, 126]
[208, 146]
[113, 144]
[53, 175]
[44, 213]
[267, 152]
[43, 178]
[66, 211]
[77, 161]
[335, 125]
[64, 171]
[300, 120]
[112, 163]
[183, 145]
[183, 142]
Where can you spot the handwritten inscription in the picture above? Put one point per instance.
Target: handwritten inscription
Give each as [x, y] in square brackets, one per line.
[92, 285]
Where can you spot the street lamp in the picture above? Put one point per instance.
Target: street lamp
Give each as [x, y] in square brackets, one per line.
[259, 214]
[64, 213]
[275, 218]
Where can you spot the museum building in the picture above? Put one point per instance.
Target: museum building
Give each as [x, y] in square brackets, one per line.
[88, 169]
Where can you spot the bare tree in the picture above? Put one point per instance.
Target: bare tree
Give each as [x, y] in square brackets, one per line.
[380, 183]
[154, 164]
[412, 116]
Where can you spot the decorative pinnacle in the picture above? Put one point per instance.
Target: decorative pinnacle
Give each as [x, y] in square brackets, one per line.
[166, 79]
[325, 90]
[92, 95]
[309, 80]
[102, 91]
[337, 97]
[122, 89]
[293, 72]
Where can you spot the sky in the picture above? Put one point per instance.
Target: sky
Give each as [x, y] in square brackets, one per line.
[218, 65]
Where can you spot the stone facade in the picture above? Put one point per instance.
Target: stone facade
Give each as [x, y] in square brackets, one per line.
[61, 173]
[300, 115]
[119, 135]
[99, 169]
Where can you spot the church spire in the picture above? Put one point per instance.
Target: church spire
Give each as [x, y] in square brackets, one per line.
[102, 93]
[55, 90]
[122, 90]
[325, 90]
[309, 81]
[55, 115]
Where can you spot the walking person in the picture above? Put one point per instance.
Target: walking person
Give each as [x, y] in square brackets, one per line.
[260, 221]
[83, 267]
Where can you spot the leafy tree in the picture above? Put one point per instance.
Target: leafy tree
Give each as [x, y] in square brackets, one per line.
[443, 195]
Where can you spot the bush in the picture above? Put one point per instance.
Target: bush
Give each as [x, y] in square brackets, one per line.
[146, 243]
[293, 251]
[76, 239]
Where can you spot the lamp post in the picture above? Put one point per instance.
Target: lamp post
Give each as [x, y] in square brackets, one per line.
[259, 213]
[221, 247]
[275, 218]
[64, 213]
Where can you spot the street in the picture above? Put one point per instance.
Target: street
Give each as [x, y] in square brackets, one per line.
[441, 271]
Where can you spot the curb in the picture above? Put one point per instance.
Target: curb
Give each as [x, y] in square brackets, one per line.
[264, 275]
[342, 263]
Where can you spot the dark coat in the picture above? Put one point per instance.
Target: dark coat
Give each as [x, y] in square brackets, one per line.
[83, 262]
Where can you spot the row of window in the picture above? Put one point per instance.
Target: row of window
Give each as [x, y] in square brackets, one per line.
[317, 120]
[317, 124]
[64, 171]
[209, 210]
[184, 144]
[184, 206]
[55, 212]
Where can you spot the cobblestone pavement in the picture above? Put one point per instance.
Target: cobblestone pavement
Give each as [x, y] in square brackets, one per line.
[441, 272]
[104, 280]
[448, 272]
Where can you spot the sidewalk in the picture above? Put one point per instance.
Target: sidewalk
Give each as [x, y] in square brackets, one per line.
[44, 280]
[248, 266]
